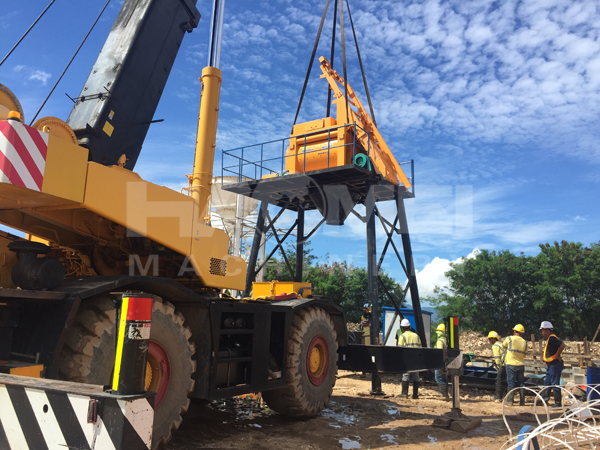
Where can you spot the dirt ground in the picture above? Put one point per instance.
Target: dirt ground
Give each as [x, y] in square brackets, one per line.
[351, 421]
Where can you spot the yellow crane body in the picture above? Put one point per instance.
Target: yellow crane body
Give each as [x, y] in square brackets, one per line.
[49, 189]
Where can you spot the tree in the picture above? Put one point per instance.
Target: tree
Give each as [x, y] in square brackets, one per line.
[495, 291]
[492, 291]
[571, 286]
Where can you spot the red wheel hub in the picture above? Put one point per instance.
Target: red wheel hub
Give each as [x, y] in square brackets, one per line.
[160, 371]
[317, 360]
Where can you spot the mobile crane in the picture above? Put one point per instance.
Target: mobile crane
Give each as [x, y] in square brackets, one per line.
[95, 228]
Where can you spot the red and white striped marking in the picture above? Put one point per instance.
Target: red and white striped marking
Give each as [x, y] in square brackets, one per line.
[22, 155]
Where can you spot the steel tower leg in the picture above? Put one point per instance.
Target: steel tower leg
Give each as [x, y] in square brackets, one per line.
[258, 232]
[300, 245]
[372, 280]
[410, 268]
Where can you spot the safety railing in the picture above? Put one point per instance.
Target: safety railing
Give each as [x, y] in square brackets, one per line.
[269, 158]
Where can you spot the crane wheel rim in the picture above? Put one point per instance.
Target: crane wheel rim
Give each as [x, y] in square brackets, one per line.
[159, 366]
[317, 360]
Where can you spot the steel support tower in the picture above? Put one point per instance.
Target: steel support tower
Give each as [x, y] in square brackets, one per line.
[335, 191]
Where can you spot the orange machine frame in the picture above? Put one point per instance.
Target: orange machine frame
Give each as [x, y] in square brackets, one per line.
[327, 142]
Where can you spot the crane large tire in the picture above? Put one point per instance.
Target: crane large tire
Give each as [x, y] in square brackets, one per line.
[89, 357]
[311, 366]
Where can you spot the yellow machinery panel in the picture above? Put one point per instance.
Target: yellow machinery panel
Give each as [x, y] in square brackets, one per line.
[267, 288]
[65, 171]
[35, 371]
[50, 190]
[211, 259]
[16, 197]
[327, 146]
[157, 212]
[167, 217]
[43, 169]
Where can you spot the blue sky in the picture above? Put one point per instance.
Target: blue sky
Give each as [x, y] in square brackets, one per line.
[497, 102]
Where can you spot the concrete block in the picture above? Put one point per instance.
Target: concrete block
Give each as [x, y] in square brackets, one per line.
[442, 422]
[463, 426]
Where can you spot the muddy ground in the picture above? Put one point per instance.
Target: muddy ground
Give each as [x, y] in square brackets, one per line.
[351, 421]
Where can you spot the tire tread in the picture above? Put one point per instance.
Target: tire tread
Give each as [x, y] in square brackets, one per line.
[292, 401]
[97, 317]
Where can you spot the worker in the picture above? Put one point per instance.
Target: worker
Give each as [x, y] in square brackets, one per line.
[409, 338]
[440, 375]
[399, 331]
[365, 329]
[516, 349]
[554, 363]
[499, 354]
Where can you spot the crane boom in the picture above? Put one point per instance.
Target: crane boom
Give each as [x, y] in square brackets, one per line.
[116, 106]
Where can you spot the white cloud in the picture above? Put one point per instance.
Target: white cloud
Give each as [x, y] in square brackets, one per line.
[432, 275]
[490, 73]
[40, 75]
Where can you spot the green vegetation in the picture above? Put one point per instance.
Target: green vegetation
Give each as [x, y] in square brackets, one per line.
[345, 284]
[495, 291]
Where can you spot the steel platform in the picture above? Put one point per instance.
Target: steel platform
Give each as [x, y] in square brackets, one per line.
[301, 189]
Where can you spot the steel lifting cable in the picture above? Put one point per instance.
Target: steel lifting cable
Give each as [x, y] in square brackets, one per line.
[312, 58]
[331, 57]
[26, 33]
[68, 65]
[362, 70]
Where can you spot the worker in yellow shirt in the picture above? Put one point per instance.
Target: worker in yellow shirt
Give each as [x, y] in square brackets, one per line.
[409, 338]
[516, 350]
[499, 354]
[440, 376]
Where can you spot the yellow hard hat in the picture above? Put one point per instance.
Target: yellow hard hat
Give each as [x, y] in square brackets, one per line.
[493, 334]
[518, 327]
[441, 327]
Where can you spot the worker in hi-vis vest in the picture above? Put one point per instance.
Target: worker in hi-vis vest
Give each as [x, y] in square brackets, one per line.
[499, 354]
[554, 364]
[409, 338]
[440, 375]
[516, 349]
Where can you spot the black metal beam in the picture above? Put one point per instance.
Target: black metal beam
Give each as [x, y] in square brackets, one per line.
[372, 277]
[389, 238]
[391, 297]
[396, 308]
[361, 218]
[280, 242]
[391, 241]
[258, 231]
[410, 269]
[379, 358]
[314, 230]
[383, 219]
[299, 245]
[277, 247]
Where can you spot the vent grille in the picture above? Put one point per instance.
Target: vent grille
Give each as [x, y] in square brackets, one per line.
[218, 267]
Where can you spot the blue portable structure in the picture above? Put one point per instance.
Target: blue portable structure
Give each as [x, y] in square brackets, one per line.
[408, 313]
